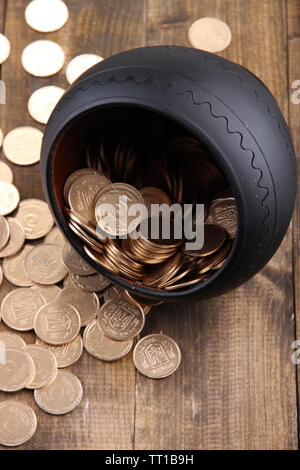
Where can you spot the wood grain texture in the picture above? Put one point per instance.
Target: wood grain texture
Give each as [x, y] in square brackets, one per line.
[293, 17]
[236, 386]
[105, 416]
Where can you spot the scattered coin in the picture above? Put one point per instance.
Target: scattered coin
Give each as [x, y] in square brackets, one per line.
[45, 366]
[1, 275]
[83, 191]
[17, 372]
[9, 198]
[86, 303]
[12, 340]
[62, 396]
[92, 283]
[4, 232]
[156, 356]
[5, 172]
[66, 354]
[74, 262]
[4, 48]
[114, 292]
[35, 217]
[43, 58]
[55, 237]
[67, 282]
[81, 64]
[210, 34]
[18, 423]
[102, 347]
[46, 16]
[57, 323]
[44, 264]
[48, 292]
[43, 101]
[121, 320]
[19, 308]
[14, 268]
[22, 145]
[16, 239]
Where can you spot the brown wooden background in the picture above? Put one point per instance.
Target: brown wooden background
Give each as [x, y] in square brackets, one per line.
[237, 386]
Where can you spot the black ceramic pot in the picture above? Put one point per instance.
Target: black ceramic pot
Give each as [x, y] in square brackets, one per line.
[222, 104]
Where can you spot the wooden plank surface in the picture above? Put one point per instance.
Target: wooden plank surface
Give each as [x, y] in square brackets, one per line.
[236, 387]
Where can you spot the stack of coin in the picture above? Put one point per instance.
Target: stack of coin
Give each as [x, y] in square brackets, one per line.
[188, 175]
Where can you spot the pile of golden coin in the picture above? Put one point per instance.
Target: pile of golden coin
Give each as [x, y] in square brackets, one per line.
[158, 262]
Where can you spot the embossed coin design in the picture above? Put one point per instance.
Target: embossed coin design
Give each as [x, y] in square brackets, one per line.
[19, 308]
[45, 366]
[12, 340]
[57, 323]
[17, 372]
[62, 396]
[5, 172]
[86, 303]
[4, 48]
[209, 34]
[121, 320]
[81, 64]
[66, 354]
[22, 145]
[43, 58]
[35, 217]
[156, 356]
[9, 198]
[46, 16]
[224, 213]
[42, 102]
[4, 232]
[14, 268]
[44, 264]
[102, 347]
[74, 262]
[18, 423]
[16, 239]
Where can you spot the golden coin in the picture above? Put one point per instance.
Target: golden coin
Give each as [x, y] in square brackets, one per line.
[74, 262]
[121, 320]
[66, 354]
[188, 281]
[86, 303]
[55, 237]
[9, 198]
[62, 396]
[156, 356]
[4, 48]
[43, 101]
[210, 34]
[4, 232]
[81, 64]
[83, 191]
[14, 268]
[18, 423]
[44, 264]
[35, 217]
[214, 238]
[19, 308]
[5, 172]
[224, 213]
[72, 177]
[86, 238]
[16, 239]
[92, 283]
[45, 366]
[154, 195]
[206, 264]
[121, 197]
[114, 292]
[57, 323]
[22, 145]
[102, 347]
[1, 142]
[1, 275]
[18, 370]
[67, 282]
[48, 292]
[160, 274]
[43, 58]
[46, 16]
[12, 340]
